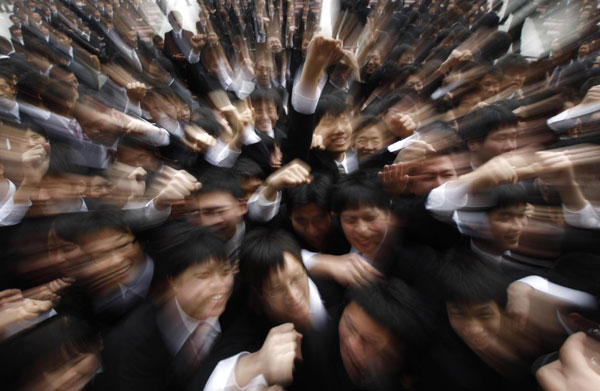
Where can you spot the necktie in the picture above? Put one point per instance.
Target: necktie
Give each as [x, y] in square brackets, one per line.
[195, 349]
[341, 169]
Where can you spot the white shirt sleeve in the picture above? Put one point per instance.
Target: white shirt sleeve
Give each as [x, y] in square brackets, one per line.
[221, 155]
[193, 58]
[223, 377]
[260, 209]
[307, 104]
[447, 198]
[308, 258]
[11, 213]
[587, 217]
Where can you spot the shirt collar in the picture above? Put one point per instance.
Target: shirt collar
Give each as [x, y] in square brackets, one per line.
[235, 242]
[317, 310]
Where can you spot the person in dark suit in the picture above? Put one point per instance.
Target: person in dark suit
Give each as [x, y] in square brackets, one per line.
[164, 341]
[261, 347]
[177, 45]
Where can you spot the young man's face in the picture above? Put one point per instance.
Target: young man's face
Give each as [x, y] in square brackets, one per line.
[202, 290]
[312, 223]
[368, 349]
[365, 227]
[432, 173]
[339, 131]
[368, 141]
[285, 295]
[490, 85]
[475, 323]
[264, 71]
[496, 143]
[506, 226]
[220, 211]
[265, 115]
[113, 256]
[6, 89]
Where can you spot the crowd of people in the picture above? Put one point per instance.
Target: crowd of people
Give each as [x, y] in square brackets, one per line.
[407, 201]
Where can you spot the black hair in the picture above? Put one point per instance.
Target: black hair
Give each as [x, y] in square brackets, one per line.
[331, 104]
[513, 63]
[64, 160]
[465, 278]
[497, 46]
[399, 50]
[5, 46]
[506, 195]
[391, 101]
[205, 118]
[186, 246]
[265, 94]
[367, 121]
[30, 125]
[361, 188]
[262, 253]
[397, 307]
[318, 191]
[75, 227]
[478, 124]
[216, 179]
[245, 167]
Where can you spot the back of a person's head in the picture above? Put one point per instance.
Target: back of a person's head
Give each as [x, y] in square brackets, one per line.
[397, 307]
[318, 191]
[361, 188]
[247, 168]
[466, 279]
[478, 124]
[262, 253]
[505, 195]
[216, 179]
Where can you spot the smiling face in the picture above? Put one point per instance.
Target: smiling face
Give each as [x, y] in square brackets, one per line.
[312, 223]
[202, 290]
[365, 228]
[477, 324]
[285, 294]
[338, 131]
[368, 349]
[265, 115]
[368, 141]
[111, 257]
[506, 226]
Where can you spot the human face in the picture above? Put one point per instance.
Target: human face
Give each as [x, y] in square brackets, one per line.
[477, 324]
[338, 130]
[415, 83]
[6, 89]
[368, 141]
[432, 173]
[496, 143]
[202, 290]
[220, 211]
[111, 258]
[506, 226]
[365, 228]
[373, 62]
[312, 223]
[368, 349]
[490, 86]
[263, 73]
[275, 44]
[285, 295]
[406, 58]
[265, 115]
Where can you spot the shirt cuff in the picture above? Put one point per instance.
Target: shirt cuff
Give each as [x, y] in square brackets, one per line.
[221, 155]
[249, 136]
[308, 258]
[223, 377]
[193, 58]
[261, 209]
[587, 217]
[579, 298]
[11, 213]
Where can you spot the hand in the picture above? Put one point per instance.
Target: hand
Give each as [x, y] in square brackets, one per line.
[136, 91]
[51, 291]
[402, 125]
[292, 174]
[36, 161]
[395, 178]
[137, 181]
[179, 57]
[577, 367]
[350, 269]
[519, 302]
[494, 172]
[275, 157]
[10, 296]
[197, 41]
[197, 139]
[177, 185]
[317, 142]
[277, 355]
